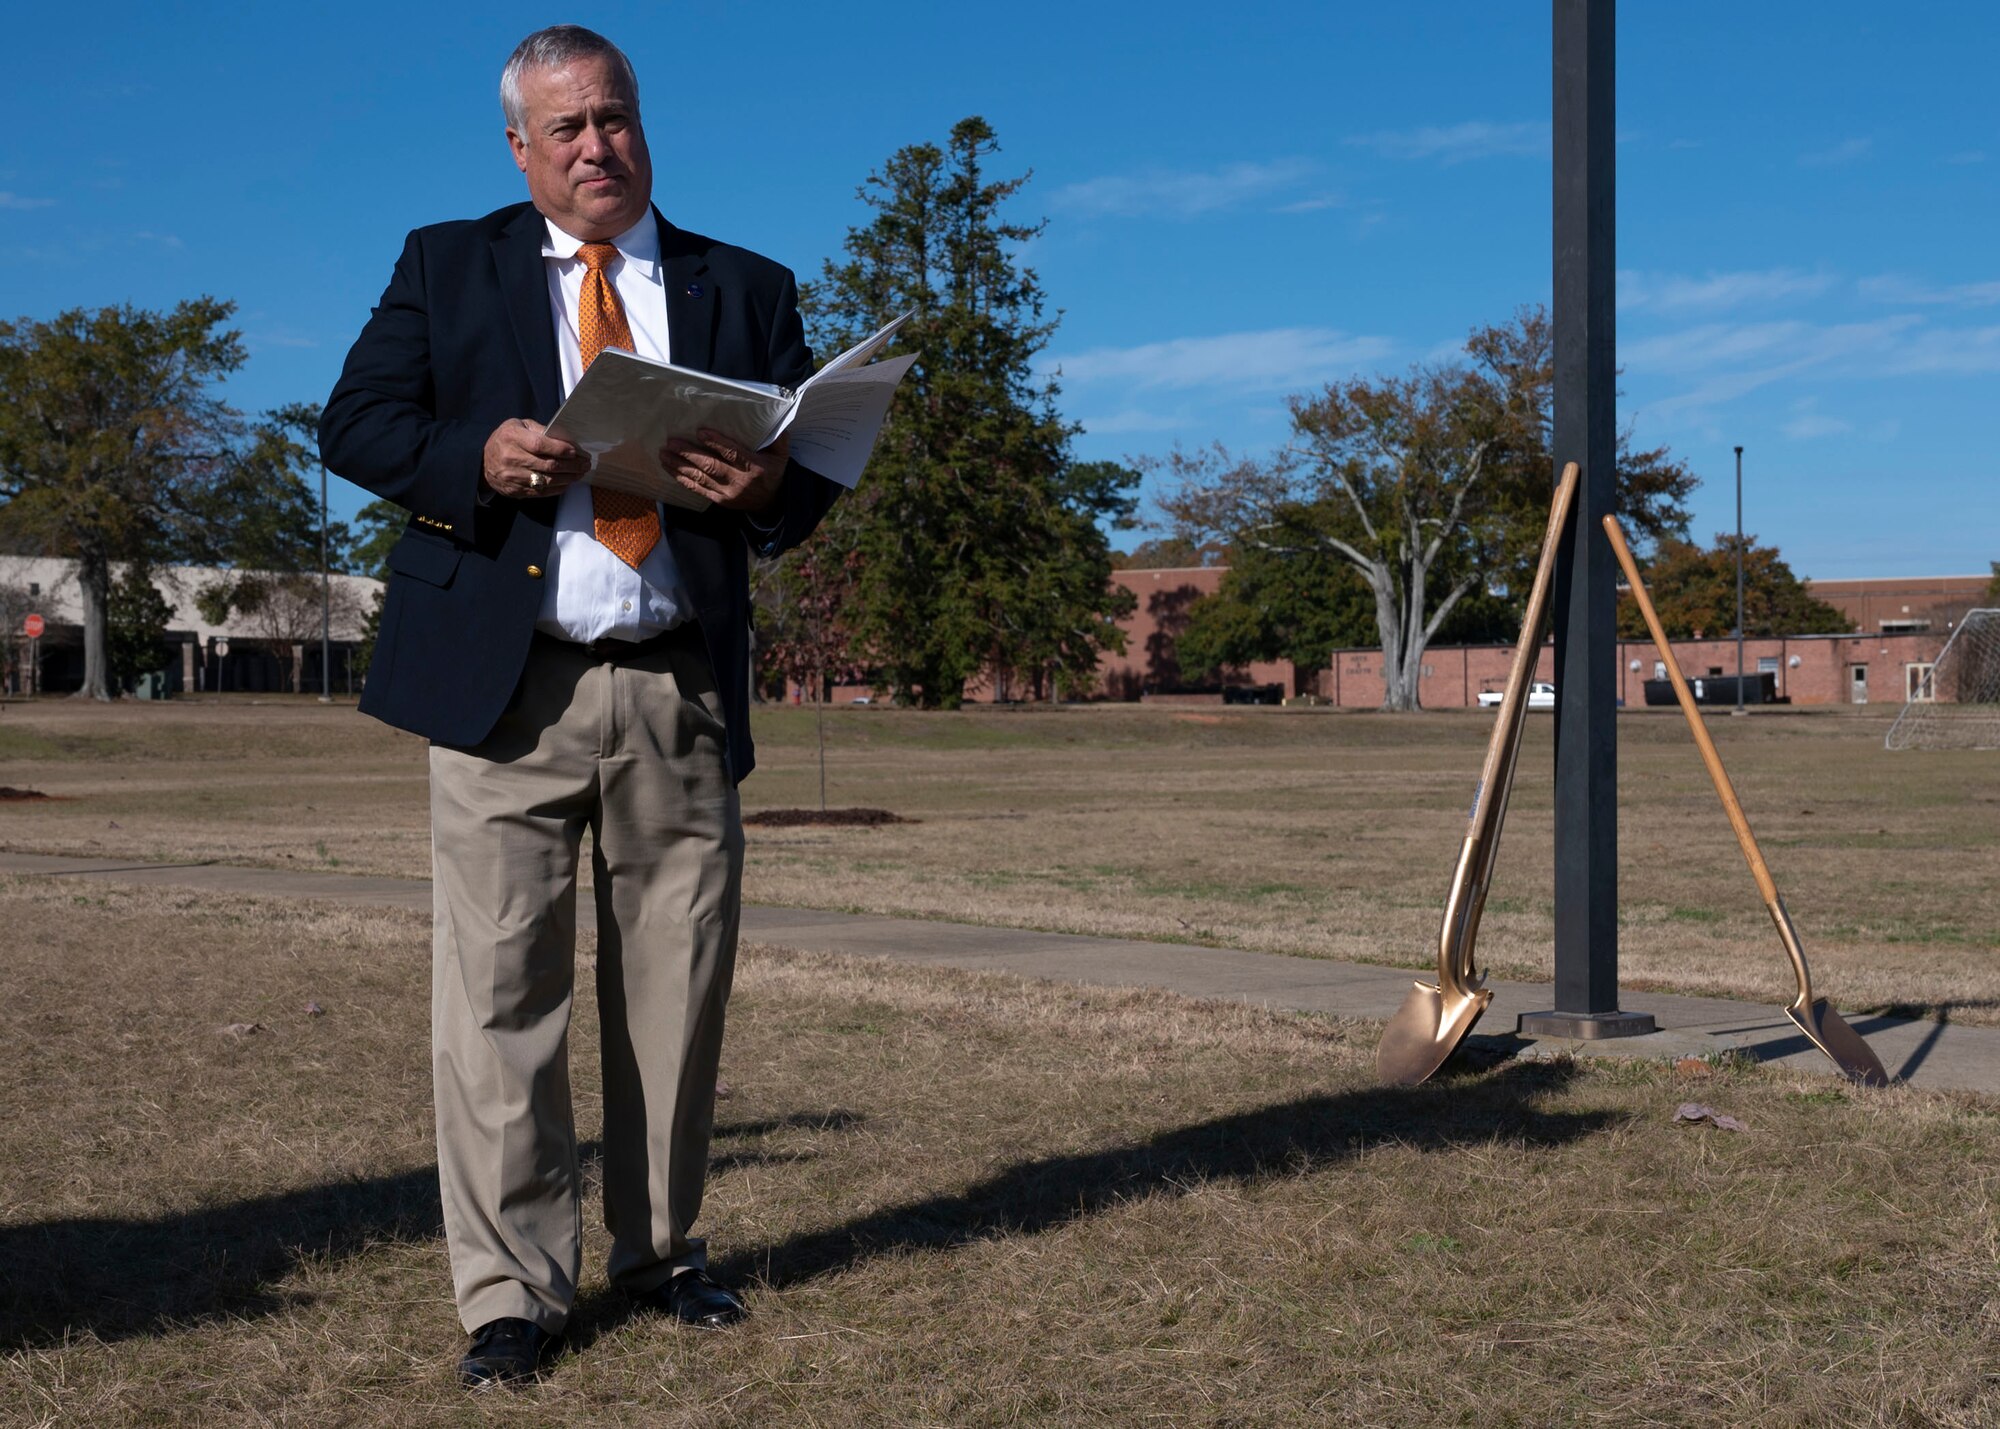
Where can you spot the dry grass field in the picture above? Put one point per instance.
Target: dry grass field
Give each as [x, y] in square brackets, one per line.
[1310, 832]
[953, 1199]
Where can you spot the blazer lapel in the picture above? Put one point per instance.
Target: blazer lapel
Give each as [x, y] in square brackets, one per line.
[524, 282]
[691, 306]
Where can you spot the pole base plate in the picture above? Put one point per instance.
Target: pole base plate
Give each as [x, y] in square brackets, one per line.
[1585, 1026]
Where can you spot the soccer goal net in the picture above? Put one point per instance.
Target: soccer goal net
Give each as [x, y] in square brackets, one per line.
[1956, 703]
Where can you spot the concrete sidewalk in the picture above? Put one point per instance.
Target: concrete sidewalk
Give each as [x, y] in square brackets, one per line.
[1927, 1054]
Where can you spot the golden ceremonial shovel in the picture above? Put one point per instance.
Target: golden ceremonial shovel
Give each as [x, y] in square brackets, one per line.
[1814, 1015]
[1434, 1019]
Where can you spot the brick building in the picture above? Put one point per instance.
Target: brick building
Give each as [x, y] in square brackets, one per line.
[1903, 606]
[1160, 614]
[1806, 669]
[1900, 626]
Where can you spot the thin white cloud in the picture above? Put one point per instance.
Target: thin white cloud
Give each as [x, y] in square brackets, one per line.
[1457, 143]
[1716, 292]
[1278, 360]
[1366, 223]
[1946, 352]
[1895, 288]
[165, 240]
[1965, 156]
[1131, 420]
[1182, 193]
[1715, 345]
[1847, 151]
[22, 202]
[1808, 423]
[1725, 361]
[1315, 204]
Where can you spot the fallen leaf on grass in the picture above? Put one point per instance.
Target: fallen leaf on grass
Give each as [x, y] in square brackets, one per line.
[243, 1029]
[313, 1009]
[1695, 1111]
[1693, 1069]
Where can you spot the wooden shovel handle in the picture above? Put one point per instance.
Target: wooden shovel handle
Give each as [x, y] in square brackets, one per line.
[1496, 778]
[1744, 837]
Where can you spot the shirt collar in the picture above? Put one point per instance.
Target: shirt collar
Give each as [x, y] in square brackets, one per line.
[638, 245]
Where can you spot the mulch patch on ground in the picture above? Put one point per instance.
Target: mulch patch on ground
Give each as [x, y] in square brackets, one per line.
[845, 818]
[10, 795]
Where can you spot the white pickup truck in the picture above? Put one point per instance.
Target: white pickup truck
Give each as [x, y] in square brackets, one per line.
[1541, 696]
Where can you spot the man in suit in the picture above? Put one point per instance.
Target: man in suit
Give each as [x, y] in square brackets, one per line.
[579, 661]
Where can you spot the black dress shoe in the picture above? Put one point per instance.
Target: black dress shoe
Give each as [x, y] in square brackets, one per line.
[504, 1352]
[691, 1296]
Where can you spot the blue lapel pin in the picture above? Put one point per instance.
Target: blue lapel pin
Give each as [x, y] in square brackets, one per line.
[694, 290]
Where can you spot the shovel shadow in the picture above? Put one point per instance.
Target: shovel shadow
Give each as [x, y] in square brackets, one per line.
[1938, 1014]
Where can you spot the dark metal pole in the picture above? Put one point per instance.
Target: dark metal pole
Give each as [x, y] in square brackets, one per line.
[325, 603]
[1586, 432]
[1739, 580]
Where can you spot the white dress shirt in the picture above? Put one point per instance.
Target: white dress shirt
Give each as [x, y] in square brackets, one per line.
[590, 593]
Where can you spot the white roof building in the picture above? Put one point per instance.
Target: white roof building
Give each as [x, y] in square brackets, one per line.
[51, 585]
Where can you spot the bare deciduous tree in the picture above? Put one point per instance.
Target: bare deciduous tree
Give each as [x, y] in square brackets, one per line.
[1427, 485]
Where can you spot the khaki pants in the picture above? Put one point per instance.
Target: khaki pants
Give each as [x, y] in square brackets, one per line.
[634, 753]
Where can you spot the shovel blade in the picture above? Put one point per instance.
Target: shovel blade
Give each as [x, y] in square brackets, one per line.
[1426, 1030]
[1831, 1034]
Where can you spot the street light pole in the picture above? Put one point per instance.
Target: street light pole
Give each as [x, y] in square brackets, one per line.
[1739, 580]
[327, 663]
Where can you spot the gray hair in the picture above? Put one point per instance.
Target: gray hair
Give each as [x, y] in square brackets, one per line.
[553, 48]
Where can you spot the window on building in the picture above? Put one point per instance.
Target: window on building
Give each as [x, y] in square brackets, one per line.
[1917, 682]
[1904, 627]
[1767, 664]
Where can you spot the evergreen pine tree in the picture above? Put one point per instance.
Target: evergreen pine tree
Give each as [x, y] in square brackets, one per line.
[976, 540]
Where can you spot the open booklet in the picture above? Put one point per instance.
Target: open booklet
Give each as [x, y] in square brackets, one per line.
[627, 407]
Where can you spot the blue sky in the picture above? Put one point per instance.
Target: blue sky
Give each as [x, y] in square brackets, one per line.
[1244, 201]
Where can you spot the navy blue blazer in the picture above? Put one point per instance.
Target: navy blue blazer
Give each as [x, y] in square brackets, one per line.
[462, 341]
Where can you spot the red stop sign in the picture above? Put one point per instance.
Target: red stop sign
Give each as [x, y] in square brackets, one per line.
[32, 627]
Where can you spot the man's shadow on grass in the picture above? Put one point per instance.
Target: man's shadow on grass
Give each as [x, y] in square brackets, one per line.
[112, 1278]
[1283, 1140]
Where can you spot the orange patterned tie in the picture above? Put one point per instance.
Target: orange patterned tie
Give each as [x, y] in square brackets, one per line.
[625, 524]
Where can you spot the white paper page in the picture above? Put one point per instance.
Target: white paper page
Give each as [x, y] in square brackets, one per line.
[627, 407]
[859, 354]
[837, 421]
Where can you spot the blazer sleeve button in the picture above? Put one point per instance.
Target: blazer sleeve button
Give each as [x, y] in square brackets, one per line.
[534, 573]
